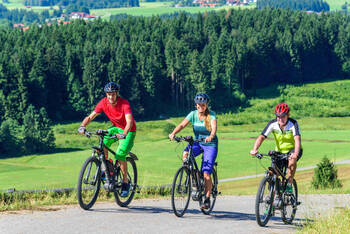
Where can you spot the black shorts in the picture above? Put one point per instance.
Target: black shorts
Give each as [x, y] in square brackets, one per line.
[299, 155]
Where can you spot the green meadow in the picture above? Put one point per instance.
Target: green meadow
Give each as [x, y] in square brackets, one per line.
[157, 8]
[159, 158]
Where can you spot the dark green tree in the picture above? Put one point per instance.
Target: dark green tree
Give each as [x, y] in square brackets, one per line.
[38, 137]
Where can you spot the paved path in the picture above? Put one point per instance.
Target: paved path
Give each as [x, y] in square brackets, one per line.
[232, 214]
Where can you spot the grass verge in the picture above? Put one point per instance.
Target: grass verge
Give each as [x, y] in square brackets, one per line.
[43, 200]
[339, 222]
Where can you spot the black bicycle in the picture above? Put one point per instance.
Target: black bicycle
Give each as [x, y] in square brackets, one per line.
[272, 193]
[98, 166]
[189, 176]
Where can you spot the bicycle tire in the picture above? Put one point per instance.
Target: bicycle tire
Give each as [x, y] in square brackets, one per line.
[289, 205]
[86, 197]
[132, 177]
[263, 213]
[213, 194]
[181, 191]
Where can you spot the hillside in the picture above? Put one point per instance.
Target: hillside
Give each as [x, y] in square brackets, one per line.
[159, 158]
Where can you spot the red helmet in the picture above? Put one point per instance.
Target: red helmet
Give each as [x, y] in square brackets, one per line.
[281, 109]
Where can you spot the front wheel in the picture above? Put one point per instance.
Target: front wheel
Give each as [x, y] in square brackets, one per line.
[132, 178]
[264, 201]
[89, 183]
[213, 194]
[181, 191]
[290, 202]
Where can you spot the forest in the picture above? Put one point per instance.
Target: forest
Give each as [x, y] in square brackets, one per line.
[161, 63]
[57, 73]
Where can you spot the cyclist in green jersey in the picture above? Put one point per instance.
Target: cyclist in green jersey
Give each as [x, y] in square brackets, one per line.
[119, 113]
[287, 136]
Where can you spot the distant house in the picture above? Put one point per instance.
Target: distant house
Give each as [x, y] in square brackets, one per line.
[81, 15]
[207, 3]
[25, 28]
[21, 27]
[18, 25]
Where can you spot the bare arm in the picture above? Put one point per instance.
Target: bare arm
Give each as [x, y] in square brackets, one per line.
[128, 118]
[178, 128]
[257, 144]
[297, 147]
[87, 120]
[213, 124]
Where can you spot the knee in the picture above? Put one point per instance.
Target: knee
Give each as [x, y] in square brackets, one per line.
[206, 176]
[292, 164]
[185, 154]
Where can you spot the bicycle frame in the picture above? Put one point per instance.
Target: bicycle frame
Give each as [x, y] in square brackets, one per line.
[277, 170]
[103, 159]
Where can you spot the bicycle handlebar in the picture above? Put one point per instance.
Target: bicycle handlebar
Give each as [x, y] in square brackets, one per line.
[272, 154]
[100, 132]
[189, 139]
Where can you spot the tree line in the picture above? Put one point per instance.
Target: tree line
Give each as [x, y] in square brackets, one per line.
[304, 5]
[161, 63]
[90, 4]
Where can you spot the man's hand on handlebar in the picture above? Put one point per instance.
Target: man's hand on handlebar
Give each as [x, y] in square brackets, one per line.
[82, 130]
[121, 136]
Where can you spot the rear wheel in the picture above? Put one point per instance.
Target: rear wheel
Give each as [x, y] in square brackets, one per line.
[181, 191]
[213, 194]
[89, 183]
[132, 178]
[264, 201]
[289, 205]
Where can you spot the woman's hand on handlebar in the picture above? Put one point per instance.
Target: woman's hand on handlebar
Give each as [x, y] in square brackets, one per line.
[208, 139]
[171, 136]
[253, 152]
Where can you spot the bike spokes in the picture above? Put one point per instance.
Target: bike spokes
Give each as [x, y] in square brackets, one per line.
[264, 201]
[290, 203]
[88, 183]
[180, 193]
[213, 193]
[131, 186]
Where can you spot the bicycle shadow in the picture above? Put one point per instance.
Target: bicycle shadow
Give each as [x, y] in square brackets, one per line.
[220, 215]
[133, 209]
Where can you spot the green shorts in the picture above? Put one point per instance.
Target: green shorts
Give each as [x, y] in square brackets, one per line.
[125, 144]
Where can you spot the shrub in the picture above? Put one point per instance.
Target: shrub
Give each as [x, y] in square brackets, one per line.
[326, 175]
[168, 128]
[10, 143]
[38, 136]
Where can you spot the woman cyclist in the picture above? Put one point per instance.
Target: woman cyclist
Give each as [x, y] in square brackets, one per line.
[204, 127]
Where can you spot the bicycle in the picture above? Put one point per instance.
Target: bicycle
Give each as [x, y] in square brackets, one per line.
[272, 194]
[89, 181]
[189, 175]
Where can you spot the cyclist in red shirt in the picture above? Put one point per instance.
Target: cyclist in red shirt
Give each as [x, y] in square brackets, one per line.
[119, 113]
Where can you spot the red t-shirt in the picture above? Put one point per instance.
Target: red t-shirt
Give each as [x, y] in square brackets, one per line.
[116, 114]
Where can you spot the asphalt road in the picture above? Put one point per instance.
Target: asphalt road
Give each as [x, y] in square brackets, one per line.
[232, 214]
